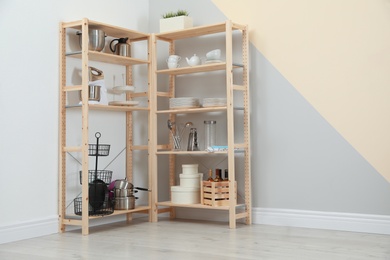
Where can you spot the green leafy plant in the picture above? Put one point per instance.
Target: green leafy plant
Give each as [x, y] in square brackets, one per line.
[174, 14]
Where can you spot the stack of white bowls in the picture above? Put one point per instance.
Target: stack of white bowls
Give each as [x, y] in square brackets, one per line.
[188, 192]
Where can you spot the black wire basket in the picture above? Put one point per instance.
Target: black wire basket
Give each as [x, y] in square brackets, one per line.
[107, 207]
[98, 150]
[103, 175]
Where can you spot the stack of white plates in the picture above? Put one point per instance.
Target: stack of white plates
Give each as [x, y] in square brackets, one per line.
[184, 102]
[214, 102]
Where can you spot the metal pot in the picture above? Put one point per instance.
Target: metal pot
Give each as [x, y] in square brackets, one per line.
[96, 39]
[123, 192]
[123, 184]
[125, 203]
[93, 93]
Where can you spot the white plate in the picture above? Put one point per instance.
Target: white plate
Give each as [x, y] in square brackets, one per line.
[124, 103]
[212, 61]
[121, 89]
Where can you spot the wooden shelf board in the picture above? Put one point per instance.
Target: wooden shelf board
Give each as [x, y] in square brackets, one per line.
[75, 218]
[110, 30]
[196, 31]
[112, 108]
[196, 206]
[190, 152]
[194, 69]
[192, 110]
[108, 58]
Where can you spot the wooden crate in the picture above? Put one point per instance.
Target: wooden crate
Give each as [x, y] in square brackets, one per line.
[217, 193]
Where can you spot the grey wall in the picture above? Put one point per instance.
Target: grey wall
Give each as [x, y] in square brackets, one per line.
[299, 161]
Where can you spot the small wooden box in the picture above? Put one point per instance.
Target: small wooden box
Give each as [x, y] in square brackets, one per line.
[217, 193]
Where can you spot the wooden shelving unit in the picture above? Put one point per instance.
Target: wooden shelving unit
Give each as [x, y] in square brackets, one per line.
[85, 56]
[226, 67]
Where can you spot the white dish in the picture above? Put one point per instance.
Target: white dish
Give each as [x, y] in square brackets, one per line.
[214, 102]
[212, 61]
[121, 89]
[124, 103]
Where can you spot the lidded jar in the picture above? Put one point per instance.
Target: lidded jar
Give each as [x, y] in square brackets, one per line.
[210, 134]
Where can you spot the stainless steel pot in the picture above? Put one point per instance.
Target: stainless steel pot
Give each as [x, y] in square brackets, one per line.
[123, 184]
[96, 39]
[123, 192]
[93, 93]
[125, 202]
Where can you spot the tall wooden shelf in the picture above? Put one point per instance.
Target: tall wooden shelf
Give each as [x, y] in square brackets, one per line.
[86, 56]
[227, 28]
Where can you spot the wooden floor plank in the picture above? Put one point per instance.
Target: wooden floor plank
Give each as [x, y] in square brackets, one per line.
[185, 239]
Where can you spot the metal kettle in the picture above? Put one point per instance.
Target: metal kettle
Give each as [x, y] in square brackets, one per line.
[122, 48]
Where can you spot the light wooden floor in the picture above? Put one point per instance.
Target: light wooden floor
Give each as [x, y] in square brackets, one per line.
[184, 239]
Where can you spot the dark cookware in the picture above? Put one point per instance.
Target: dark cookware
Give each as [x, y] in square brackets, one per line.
[98, 191]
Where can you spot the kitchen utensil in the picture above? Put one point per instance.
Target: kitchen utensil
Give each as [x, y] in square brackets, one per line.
[123, 184]
[125, 203]
[173, 64]
[93, 93]
[187, 125]
[213, 55]
[193, 140]
[94, 74]
[98, 191]
[210, 133]
[96, 39]
[122, 48]
[193, 61]
[98, 194]
[173, 58]
[176, 138]
[123, 192]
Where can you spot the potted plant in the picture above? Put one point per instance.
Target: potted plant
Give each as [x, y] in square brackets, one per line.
[173, 21]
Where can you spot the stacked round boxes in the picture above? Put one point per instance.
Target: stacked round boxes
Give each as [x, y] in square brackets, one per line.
[189, 190]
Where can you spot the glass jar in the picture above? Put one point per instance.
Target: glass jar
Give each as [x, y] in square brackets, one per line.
[210, 133]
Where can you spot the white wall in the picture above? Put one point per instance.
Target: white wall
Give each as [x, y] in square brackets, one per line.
[29, 101]
[300, 162]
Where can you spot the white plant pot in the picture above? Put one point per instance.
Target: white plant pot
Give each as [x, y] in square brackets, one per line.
[175, 23]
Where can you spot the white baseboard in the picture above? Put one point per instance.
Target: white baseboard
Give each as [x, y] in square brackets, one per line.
[48, 226]
[29, 229]
[378, 224]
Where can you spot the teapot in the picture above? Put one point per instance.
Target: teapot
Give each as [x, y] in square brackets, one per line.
[195, 60]
[122, 48]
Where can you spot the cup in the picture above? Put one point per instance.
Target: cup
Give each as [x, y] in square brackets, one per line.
[174, 58]
[172, 64]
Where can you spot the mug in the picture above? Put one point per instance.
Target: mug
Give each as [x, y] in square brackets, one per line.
[172, 64]
[173, 58]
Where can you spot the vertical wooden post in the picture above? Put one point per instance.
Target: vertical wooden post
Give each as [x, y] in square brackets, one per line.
[62, 133]
[84, 111]
[230, 120]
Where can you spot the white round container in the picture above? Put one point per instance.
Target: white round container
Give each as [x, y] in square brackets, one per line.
[190, 180]
[185, 195]
[190, 168]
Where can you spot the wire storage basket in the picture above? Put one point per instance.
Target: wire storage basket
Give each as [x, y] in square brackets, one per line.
[107, 207]
[98, 149]
[103, 175]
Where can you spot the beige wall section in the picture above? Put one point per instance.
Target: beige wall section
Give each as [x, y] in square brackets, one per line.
[337, 55]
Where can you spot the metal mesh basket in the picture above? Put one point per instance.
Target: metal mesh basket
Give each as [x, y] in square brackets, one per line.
[101, 150]
[106, 209]
[103, 175]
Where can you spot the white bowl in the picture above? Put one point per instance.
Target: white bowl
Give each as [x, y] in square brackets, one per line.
[214, 54]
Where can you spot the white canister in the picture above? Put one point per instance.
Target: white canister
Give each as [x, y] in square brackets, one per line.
[191, 180]
[185, 195]
[190, 168]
